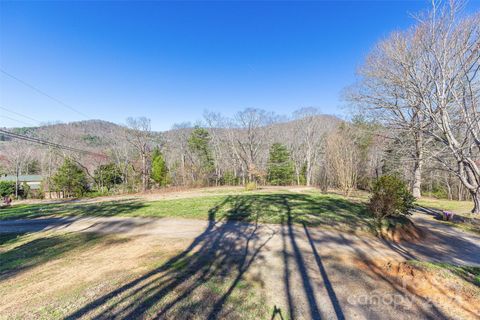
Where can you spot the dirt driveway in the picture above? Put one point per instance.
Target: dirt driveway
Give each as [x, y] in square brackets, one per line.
[307, 273]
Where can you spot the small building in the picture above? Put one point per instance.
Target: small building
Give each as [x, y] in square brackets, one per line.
[34, 181]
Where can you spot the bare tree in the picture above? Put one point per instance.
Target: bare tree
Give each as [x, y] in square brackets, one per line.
[391, 90]
[16, 158]
[249, 140]
[425, 82]
[342, 159]
[138, 133]
[309, 131]
[451, 60]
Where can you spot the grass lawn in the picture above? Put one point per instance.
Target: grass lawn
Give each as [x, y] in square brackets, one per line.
[23, 251]
[463, 218]
[459, 207]
[278, 207]
[183, 283]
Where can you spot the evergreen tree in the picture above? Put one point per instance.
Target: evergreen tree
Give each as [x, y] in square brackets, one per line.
[70, 179]
[159, 168]
[280, 166]
[108, 175]
[198, 143]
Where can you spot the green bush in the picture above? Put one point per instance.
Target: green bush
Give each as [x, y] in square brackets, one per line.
[7, 188]
[390, 198]
[25, 191]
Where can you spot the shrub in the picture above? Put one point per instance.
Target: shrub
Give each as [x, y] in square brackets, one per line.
[251, 186]
[7, 188]
[25, 191]
[390, 198]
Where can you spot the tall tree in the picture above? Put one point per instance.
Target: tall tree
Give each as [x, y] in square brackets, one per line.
[342, 159]
[310, 134]
[198, 143]
[280, 166]
[426, 82]
[391, 90]
[70, 179]
[450, 60]
[250, 137]
[159, 168]
[138, 134]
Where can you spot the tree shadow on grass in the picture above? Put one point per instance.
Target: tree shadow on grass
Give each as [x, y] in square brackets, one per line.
[100, 209]
[302, 208]
[38, 251]
[208, 279]
[6, 238]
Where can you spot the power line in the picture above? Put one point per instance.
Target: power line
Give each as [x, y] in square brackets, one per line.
[16, 120]
[45, 94]
[47, 143]
[19, 114]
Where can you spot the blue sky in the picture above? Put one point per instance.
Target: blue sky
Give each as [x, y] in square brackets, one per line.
[170, 61]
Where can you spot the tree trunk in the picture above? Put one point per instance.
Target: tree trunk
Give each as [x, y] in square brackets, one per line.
[297, 173]
[417, 179]
[417, 168]
[144, 169]
[16, 183]
[476, 202]
[309, 172]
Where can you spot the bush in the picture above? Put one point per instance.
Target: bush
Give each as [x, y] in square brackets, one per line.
[251, 186]
[25, 191]
[390, 198]
[7, 188]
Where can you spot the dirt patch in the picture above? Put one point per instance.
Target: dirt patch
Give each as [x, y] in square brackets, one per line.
[455, 297]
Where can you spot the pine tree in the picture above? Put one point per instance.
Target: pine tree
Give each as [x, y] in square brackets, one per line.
[70, 179]
[198, 143]
[280, 166]
[159, 168]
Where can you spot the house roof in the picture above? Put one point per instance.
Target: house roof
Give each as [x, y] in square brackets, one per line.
[23, 178]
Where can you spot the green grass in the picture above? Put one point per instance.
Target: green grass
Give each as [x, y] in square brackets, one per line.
[468, 273]
[193, 282]
[468, 221]
[277, 207]
[22, 251]
[459, 207]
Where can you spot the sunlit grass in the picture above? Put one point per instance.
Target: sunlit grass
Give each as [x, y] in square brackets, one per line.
[266, 207]
[459, 207]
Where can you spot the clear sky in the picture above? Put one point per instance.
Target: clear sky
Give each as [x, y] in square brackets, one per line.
[170, 61]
